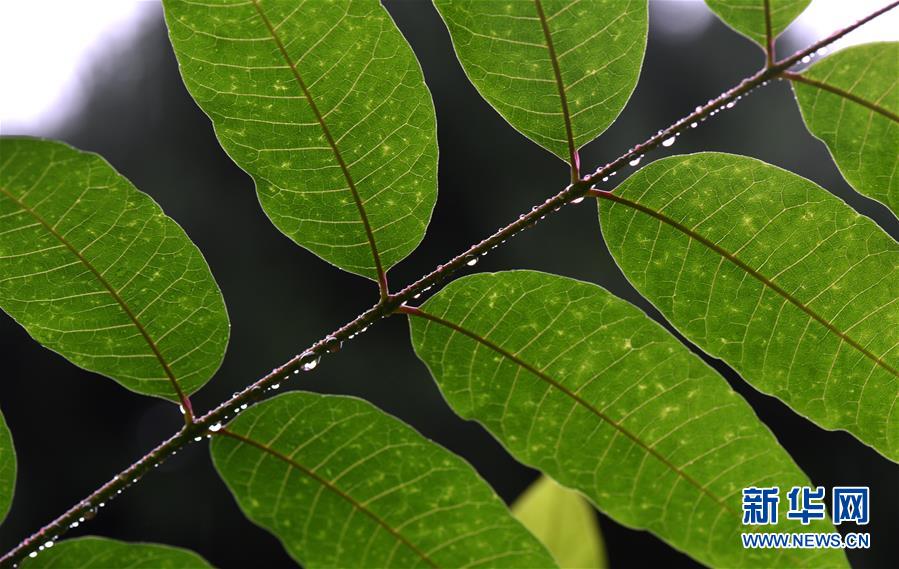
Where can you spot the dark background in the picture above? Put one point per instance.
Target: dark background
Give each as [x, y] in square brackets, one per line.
[74, 430]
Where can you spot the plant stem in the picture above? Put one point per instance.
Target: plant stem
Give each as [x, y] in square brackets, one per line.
[394, 303]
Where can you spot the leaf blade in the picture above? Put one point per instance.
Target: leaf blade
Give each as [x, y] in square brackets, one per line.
[326, 174]
[94, 270]
[564, 521]
[748, 16]
[321, 449]
[793, 250]
[858, 121]
[676, 443]
[537, 64]
[102, 553]
[7, 468]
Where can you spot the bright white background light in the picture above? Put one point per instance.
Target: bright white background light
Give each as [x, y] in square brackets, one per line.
[49, 48]
[824, 17]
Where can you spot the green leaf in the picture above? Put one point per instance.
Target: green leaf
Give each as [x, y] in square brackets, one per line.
[94, 270]
[343, 484]
[564, 521]
[588, 389]
[559, 71]
[103, 553]
[769, 272]
[325, 106]
[850, 101]
[7, 468]
[748, 16]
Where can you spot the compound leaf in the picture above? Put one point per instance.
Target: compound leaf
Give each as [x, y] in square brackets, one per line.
[774, 275]
[103, 553]
[850, 101]
[325, 106]
[588, 389]
[748, 16]
[560, 71]
[7, 468]
[343, 484]
[564, 521]
[94, 270]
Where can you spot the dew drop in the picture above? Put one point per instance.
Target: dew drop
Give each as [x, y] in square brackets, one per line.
[806, 59]
[693, 125]
[472, 262]
[578, 200]
[48, 544]
[822, 51]
[215, 428]
[730, 105]
[668, 141]
[198, 439]
[33, 554]
[333, 345]
[605, 179]
[244, 406]
[635, 161]
[308, 360]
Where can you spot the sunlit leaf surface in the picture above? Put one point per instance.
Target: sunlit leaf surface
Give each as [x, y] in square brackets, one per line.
[93, 269]
[774, 275]
[7, 468]
[560, 71]
[748, 16]
[343, 484]
[564, 521]
[325, 106]
[102, 553]
[859, 123]
[588, 389]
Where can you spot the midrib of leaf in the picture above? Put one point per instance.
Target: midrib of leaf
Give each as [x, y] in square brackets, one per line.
[754, 273]
[769, 36]
[566, 115]
[573, 396]
[843, 93]
[382, 278]
[337, 491]
[185, 402]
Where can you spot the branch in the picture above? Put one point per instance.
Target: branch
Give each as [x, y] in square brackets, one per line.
[393, 303]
